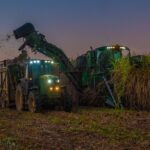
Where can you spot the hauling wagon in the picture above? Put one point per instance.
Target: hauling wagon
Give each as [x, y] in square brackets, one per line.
[7, 84]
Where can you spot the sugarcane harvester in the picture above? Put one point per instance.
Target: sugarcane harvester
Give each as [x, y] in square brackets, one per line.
[96, 66]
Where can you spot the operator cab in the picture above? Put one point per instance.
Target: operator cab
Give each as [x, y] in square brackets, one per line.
[43, 74]
[108, 54]
[119, 51]
[37, 68]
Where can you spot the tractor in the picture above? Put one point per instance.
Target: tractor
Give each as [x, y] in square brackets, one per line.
[32, 84]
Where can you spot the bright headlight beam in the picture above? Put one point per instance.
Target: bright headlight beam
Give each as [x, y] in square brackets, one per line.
[57, 88]
[108, 47]
[123, 48]
[31, 62]
[52, 62]
[51, 88]
[38, 61]
[58, 81]
[50, 81]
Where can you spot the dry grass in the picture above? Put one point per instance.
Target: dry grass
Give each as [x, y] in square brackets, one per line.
[89, 128]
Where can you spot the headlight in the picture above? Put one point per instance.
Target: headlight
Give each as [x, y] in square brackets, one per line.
[38, 61]
[123, 48]
[57, 88]
[50, 81]
[31, 62]
[52, 62]
[58, 81]
[51, 88]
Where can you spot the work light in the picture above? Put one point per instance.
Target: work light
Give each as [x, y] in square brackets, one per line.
[58, 81]
[50, 81]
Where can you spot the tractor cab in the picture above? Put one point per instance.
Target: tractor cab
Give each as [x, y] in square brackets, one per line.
[108, 54]
[119, 51]
[42, 76]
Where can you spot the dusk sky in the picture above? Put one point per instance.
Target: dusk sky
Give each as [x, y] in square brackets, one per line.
[75, 25]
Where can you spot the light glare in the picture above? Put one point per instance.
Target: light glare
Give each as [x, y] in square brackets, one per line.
[49, 81]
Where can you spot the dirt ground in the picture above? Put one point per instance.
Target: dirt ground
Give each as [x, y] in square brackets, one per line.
[87, 129]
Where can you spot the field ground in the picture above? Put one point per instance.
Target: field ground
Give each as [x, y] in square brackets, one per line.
[89, 128]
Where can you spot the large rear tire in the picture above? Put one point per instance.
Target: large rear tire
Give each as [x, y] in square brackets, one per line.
[67, 102]
[68, 105]
[34, 103]
[19, 98]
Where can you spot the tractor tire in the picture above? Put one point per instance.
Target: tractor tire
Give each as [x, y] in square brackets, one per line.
[67, 103]
[34, 103]
[19, 98]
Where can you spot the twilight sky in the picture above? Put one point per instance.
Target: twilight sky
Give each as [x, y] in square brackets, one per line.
[75, 25]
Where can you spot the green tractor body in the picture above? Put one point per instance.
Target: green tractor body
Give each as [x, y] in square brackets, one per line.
[41, 76]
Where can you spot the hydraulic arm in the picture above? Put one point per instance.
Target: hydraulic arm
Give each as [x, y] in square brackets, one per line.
[38, 43]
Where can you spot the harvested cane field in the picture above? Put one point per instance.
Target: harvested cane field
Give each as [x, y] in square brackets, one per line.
[87, 129]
